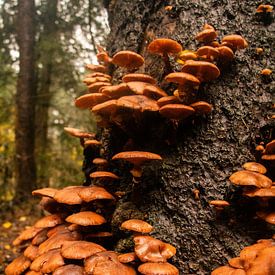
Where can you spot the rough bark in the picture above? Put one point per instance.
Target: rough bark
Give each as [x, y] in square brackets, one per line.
[44, 94]
[25, 101]
[204, 153]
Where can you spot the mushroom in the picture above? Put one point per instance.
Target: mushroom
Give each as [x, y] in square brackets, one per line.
[96, 68]
[86, 218]
[139, 77]
[202, 107]
[266, 72]
[18, 265]
[219, 204]
[78, 250]
[165, 47]
[100, 163]
[176, 111]
[31, 252]
[208, 53]
[69, 269]
[128, 60]
[92, 193]
[149, 249]
[203, 70]
[234, 41]
[255, 167]
[137, 158]
[158, 269]
[49, 221]
[187, 84]
[90, 100]
[264, 8]
[138, 226]
[207, 35]
[127, 257]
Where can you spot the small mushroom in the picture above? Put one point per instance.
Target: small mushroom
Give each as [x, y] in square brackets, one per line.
[165, 47]
[86, 218]
[158, 269]
[138, 226]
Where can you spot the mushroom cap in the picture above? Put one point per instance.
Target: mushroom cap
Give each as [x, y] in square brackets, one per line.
[206, 35]
[219, 203]
[264, 8]
[268, 157]
[139, 77]
[127, 257]
[68, 195]
[96, 68]
[69, 269]
[106, 263]
[168, 100]
[31, 252]
[249, 178]
[80, 249]
[264, 263]
[78, 133]
[95, 87]
[137, 226]
[103, 175]
[237, 41]
[92, 193]
[176, 111]
[270, 147]
[249, 253]
[208, 51]
[92, 143]
[48, 262]
[27, 234]
[18, 265]
[98, 74]
[139, 103]
[267, 216]
[100, 161]
[149, 249]
[46, 192]
[203, 70]
[227, 270]
[49, 221]
[236, 263]
[163, 46]
[86, 218]
[225, 54]
[186, 55]
[128, 59]
[137, 157]
[106, 108]
[92, 80]
[262, 192]
[158, 269]
[41, 237]
[117, 91]
[266, 72]
[202, 107]
[184, 79]
[57, 240]
[254, 167]
[90, 100]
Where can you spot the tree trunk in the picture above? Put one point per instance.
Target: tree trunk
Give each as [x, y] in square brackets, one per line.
[201, 154]
[25, 101]
[44, 95]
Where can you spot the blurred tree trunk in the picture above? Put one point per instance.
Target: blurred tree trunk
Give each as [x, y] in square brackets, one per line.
[47, 43]
[25, 101]
[203, 154]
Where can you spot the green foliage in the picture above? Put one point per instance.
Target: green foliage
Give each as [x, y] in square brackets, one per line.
[62, 48]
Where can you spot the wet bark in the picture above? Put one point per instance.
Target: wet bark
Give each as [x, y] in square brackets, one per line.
[25, 101]
[201, 153]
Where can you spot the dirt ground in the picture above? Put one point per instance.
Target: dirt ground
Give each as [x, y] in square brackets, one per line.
[14, 219]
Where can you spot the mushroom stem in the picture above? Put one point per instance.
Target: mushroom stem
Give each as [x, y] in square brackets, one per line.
[168, 67]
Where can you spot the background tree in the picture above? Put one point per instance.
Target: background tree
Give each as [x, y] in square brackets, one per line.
[202, 155]
[25, 101]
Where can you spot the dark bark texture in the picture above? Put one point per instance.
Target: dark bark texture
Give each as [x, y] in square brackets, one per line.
[203, 153]
[25, 98]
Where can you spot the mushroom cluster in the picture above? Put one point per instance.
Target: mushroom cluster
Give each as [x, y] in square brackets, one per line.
[257, 259]
[267, 153]
[256, 185]
[139, 95]
[75, 238]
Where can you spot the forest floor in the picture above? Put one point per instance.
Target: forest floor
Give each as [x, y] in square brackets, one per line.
[13, 220]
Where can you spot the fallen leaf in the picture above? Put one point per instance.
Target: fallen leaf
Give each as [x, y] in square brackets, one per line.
[7, 225]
